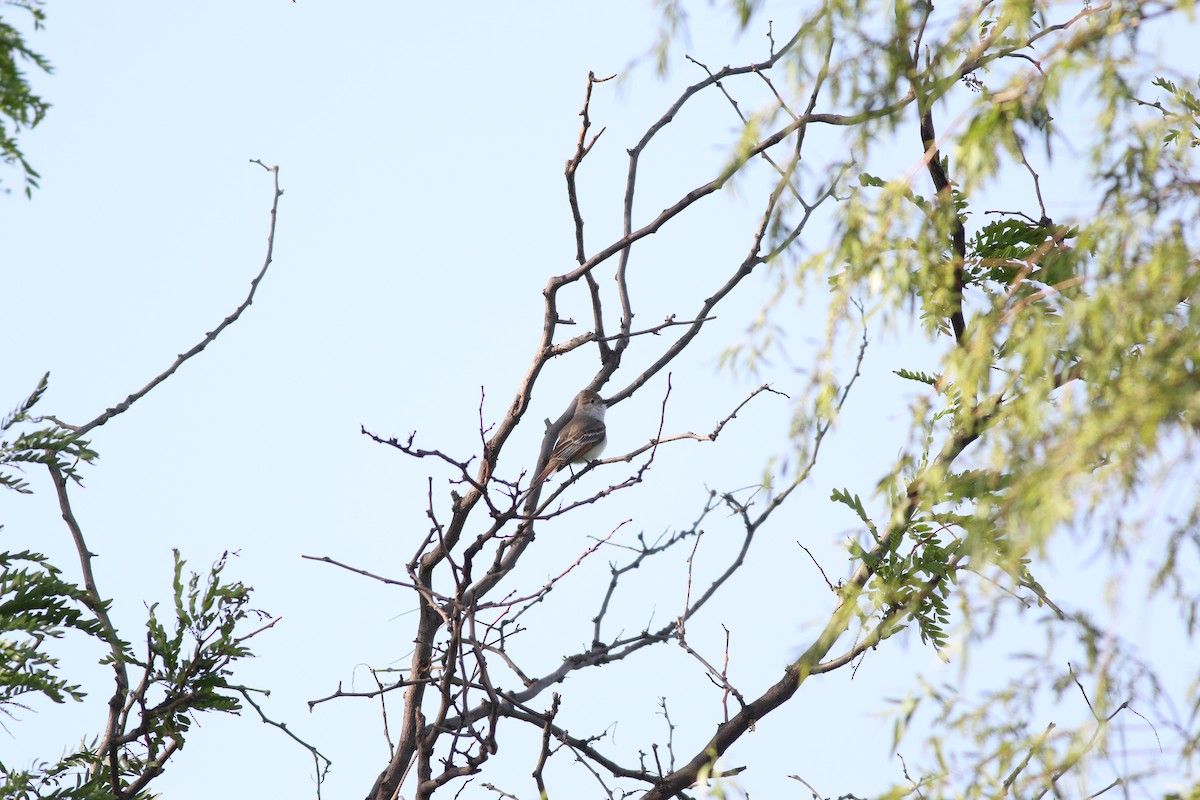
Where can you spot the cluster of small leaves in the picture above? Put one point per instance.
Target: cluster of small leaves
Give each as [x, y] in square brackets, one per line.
[190, 664]
[51, 445]
[1187, 118]
[917, 581]
[66, 779]
[1017, 249]
[855, 504]
[984, 540]
[36, 604]
[20, 108]
[929, 569]
[920, 246]
[918, 376]
[867, 179]
[186, 670]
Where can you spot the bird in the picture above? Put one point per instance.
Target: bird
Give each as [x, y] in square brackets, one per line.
[582, 438]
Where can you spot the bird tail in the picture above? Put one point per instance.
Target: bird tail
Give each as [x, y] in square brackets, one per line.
[545, 473]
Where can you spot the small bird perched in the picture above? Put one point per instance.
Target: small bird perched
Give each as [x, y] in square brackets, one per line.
[581, 439]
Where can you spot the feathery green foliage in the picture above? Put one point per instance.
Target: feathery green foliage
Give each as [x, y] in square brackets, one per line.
[49, 445]
[1061, 227]
[185, 669]
[20, 107]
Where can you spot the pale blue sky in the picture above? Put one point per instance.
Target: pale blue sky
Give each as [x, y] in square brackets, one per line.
[421, 149]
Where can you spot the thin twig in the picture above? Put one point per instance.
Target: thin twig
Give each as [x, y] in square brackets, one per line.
[318, 756]
[209, 337]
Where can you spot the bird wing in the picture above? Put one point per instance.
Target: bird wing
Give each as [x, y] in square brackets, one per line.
[572, 447]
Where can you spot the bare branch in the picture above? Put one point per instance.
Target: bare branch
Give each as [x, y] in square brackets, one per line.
[544, 754]
[209, 337]
[318, 757]
[109, 742]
